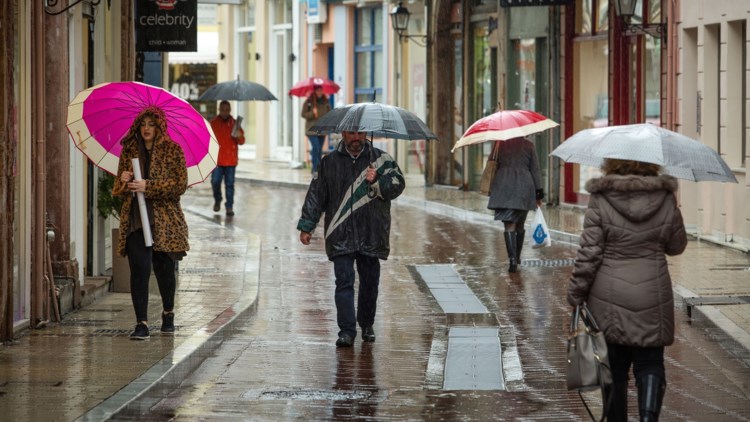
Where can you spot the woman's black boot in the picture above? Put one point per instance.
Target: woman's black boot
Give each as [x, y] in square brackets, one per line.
[521, 233]
[511, 246]
[651, 390]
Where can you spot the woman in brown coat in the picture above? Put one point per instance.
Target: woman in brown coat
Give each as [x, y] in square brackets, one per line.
[164, 180]
[631, 223]
[315, 107]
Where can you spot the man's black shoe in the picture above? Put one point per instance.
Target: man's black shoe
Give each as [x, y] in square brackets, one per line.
[368, 334]
[345, 341]
[217, 206]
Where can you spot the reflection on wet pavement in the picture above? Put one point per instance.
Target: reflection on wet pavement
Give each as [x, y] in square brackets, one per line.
[282, 364]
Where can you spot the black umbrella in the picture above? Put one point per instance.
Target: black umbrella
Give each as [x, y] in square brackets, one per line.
[237, 90]
[378, 120]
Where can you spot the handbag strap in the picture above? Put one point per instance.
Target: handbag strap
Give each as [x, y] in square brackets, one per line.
[605, 407]
[495, 151]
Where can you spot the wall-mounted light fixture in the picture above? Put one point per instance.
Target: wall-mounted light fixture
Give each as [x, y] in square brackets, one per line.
[88, 7]
[625, 9]
[400, 21]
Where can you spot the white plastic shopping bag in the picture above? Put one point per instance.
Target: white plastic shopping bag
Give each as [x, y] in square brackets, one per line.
[539, 231]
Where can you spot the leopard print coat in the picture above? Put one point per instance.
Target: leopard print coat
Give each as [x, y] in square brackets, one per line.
[166, 183]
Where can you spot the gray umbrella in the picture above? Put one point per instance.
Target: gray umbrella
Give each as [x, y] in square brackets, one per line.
[378, 120]
[679, 156]
[237, 90]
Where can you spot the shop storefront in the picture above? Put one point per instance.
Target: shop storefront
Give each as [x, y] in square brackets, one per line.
[616, 76]
[528, 85]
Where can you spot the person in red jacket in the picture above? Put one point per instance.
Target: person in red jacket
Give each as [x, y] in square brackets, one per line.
[223, 125]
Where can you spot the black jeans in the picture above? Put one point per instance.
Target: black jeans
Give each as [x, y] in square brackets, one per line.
[368, 269]
[140, 259]
[645, 361]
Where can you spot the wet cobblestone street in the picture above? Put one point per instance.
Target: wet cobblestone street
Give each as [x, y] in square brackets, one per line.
[282, 364]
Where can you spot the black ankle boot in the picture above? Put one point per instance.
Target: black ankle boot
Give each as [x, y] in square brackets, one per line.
[510, 246]
[651, 390]
[618, 404]
[519, 243]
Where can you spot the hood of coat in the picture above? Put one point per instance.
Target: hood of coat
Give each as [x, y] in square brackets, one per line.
[636, 198]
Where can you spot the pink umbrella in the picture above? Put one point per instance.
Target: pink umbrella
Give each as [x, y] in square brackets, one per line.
[305, 87]
[99, 117]
[504, 125]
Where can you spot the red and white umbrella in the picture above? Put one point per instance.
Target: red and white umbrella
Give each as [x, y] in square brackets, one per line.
[307, 86]
[100, 116]
[504, 125]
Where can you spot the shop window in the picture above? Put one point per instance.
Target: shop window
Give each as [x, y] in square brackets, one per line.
[368, 55]
[190, 80]
[483, 97]
[590, 98]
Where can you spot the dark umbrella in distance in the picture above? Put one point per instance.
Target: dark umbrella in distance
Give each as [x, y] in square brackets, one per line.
[237, 90]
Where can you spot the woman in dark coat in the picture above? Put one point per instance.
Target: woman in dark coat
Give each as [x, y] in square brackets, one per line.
[515, 190]
[631, 223]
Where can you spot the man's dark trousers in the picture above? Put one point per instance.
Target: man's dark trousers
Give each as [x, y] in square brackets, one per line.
[368, 269]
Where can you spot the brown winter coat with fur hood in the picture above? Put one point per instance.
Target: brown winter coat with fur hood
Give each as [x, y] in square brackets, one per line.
[621, 271]
[167, 181]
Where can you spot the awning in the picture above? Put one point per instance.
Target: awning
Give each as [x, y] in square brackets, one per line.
[208, 50]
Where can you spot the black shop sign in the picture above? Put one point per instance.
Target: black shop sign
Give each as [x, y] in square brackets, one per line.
[166, 25]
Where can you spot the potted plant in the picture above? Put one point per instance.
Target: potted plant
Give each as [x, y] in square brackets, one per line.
[110, 205]
[106, 202]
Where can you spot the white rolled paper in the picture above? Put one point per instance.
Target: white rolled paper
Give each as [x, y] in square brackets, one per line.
[142, 206]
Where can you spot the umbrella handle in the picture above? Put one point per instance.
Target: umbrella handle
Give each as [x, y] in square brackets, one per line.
[370, 190]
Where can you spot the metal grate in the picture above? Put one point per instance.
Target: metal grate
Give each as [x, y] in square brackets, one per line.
[112, 332]
[199, 270]
[568, 262]
[308, 395]
[690, 302]
[227, 254]
[84, 322]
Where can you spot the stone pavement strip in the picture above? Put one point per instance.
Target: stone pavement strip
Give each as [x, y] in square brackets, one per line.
[87, 368]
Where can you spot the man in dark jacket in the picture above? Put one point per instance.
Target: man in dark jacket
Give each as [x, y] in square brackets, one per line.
[354, 188]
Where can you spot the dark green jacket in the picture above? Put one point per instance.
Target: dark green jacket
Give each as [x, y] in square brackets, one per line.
[357, 214]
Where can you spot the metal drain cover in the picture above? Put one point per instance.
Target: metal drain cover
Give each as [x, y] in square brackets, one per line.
[568, 262]
[307, 395]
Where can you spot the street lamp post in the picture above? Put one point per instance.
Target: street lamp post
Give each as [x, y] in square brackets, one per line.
[625, 9]
[400, 22]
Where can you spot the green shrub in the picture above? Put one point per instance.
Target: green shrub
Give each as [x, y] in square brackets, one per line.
[106, 202]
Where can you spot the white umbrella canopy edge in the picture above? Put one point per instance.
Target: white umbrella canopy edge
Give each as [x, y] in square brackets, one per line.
[679, 155]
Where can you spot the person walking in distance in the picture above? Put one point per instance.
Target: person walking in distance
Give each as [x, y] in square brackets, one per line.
[515, 190]
[164, 180]
[632, 222]
[355, 195]
[230, 138]
[315, 107]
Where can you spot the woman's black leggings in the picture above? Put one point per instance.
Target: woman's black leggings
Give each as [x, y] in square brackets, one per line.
[645, 361]
[140, 259]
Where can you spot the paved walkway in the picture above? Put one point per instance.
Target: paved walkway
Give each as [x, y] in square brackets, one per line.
[86, 368]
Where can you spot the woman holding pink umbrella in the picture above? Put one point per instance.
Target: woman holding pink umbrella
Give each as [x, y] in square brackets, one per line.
[163, 180]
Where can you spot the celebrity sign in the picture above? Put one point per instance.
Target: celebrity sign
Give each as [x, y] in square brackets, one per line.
[166, 25]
